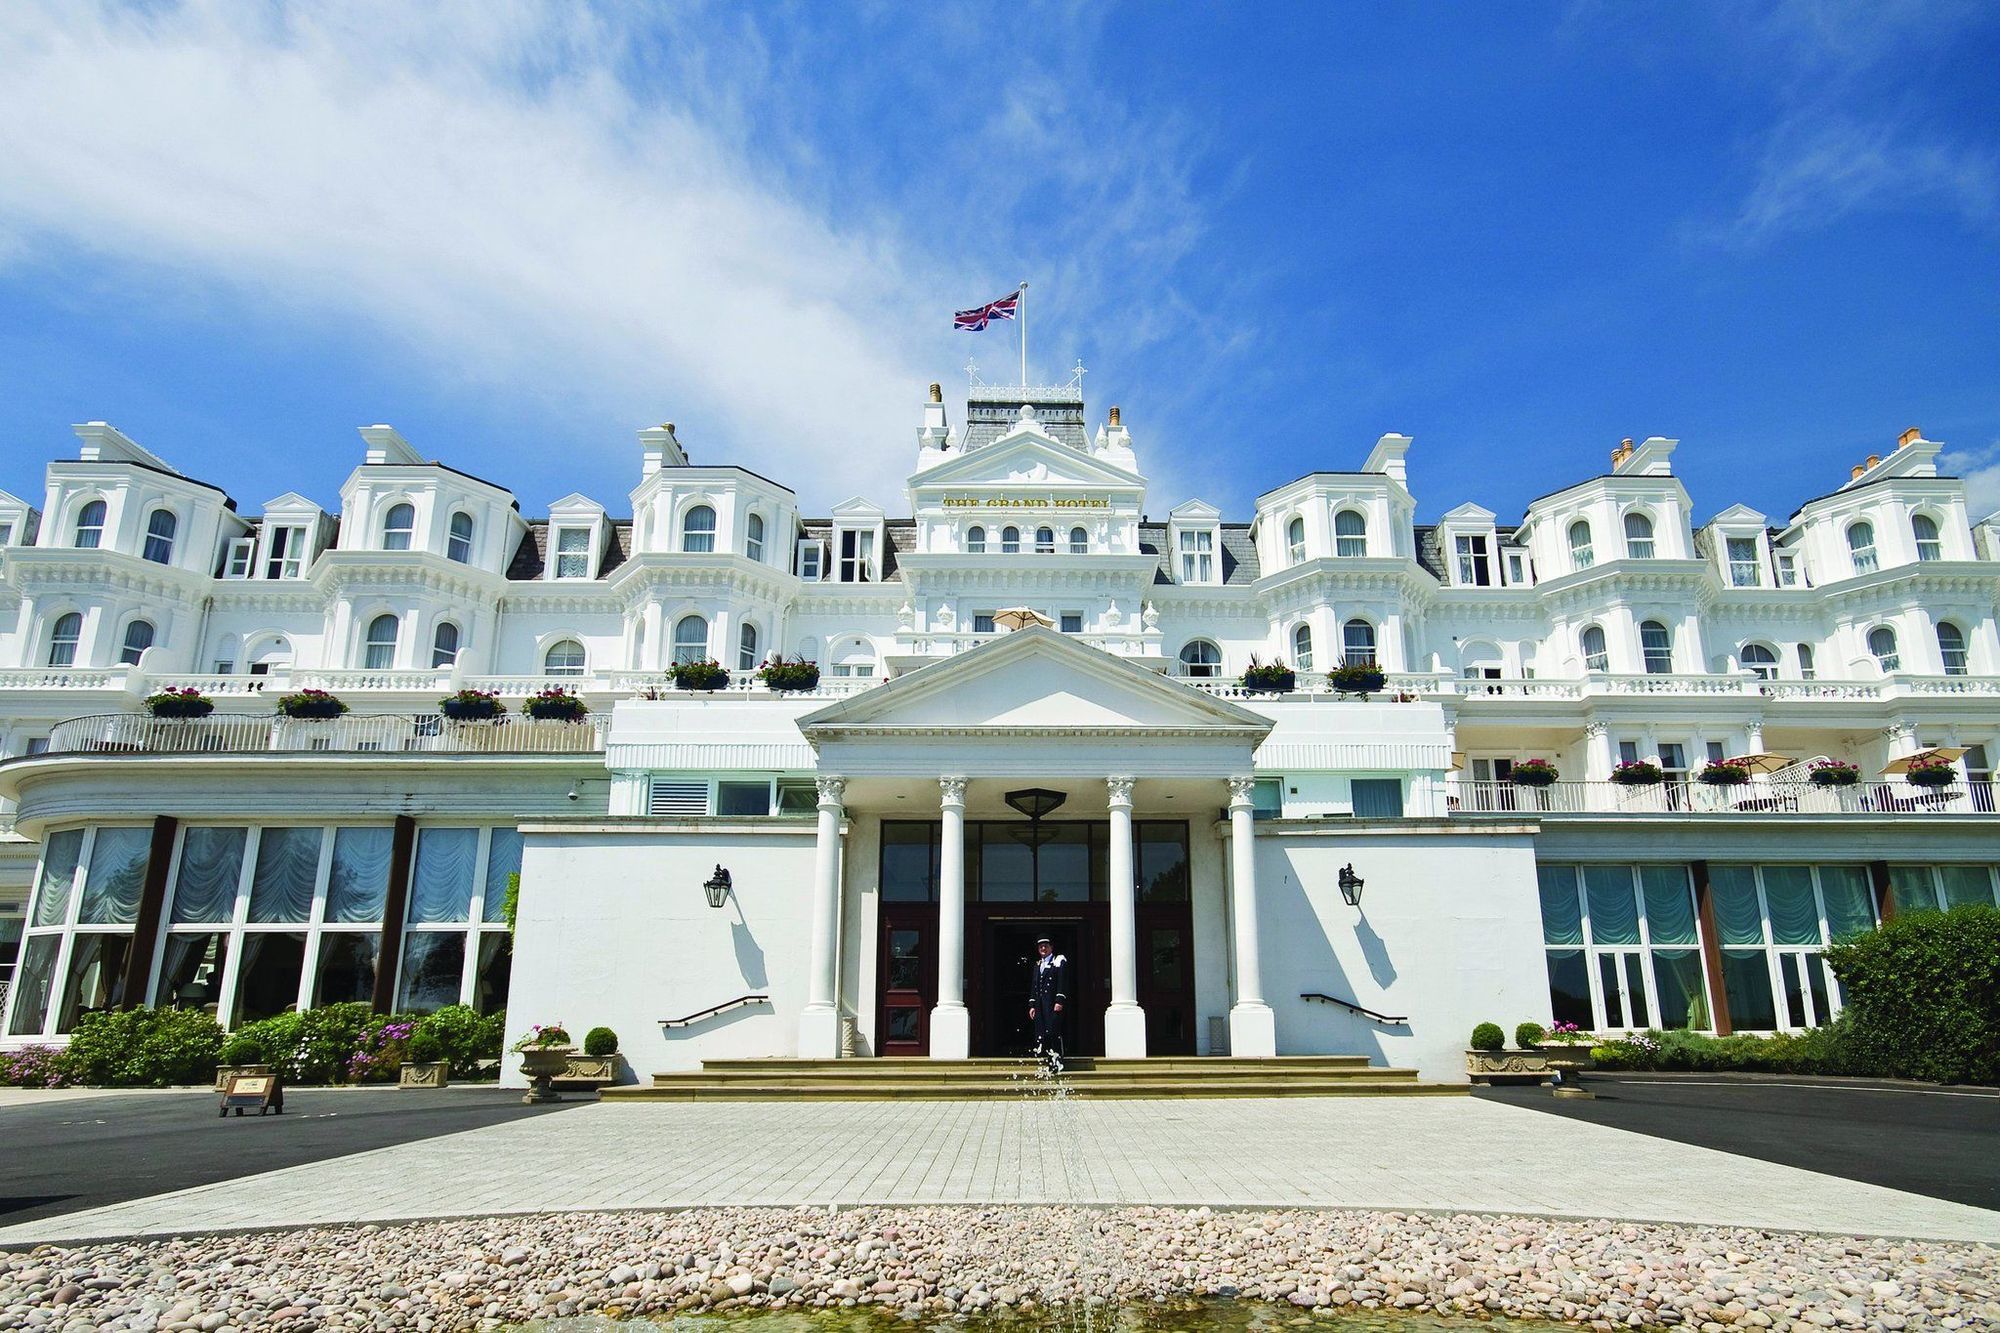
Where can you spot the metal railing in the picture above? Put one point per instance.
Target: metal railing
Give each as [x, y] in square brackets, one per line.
[713, 1010]
[1390, 1020]
[354, 733]
[1879, 797]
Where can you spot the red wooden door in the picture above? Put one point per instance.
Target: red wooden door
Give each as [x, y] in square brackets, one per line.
[907, 972]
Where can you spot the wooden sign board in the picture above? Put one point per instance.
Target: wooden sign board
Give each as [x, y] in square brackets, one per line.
[254, 1092]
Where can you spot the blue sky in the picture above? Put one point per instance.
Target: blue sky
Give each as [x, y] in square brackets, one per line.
[1272, 233]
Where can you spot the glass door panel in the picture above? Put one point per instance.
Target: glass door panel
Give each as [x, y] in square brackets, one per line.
[1624, 1000]
[907, 978]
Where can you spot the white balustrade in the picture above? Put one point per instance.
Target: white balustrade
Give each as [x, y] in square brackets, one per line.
[385, 733]
[66, 678]
[1881, 796]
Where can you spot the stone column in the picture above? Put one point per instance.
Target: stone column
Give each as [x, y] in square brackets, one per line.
[951, 1025]
[819, 1021]
[1253, 1028]
[1124, 1021]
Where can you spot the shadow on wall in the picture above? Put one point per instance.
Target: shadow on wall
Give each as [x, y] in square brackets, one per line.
[749, 955]
[1375, 949]
[1309, 963]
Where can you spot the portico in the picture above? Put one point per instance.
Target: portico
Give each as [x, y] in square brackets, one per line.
[1103, 736]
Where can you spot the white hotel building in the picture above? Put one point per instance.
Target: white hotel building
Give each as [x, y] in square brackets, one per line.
[883, 889]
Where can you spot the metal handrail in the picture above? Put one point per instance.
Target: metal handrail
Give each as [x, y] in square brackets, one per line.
[1349, 1004]
[713, 1010]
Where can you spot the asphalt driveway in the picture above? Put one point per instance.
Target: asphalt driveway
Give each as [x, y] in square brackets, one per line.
[1941, 1142]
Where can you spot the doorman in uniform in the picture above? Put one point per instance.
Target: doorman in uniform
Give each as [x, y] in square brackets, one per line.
[1047, 996]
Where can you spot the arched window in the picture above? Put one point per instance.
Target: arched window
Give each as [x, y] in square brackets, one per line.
[565, 658]
[89, 526]
[63, 639]
[975, 540]
[1882, 647]
[1861, 546]
[1079, 542]
[1760, 661]
[161, 525]
[746, 647]
[698, 530]
[1302, 644]
[1806, 668]
[1010, 541]
[1201, 658]
[397, 526]
[1580, 552]
[1045, 541]
[138, 638]
[1926, 530]
[1357, 643]
[379, 651]
[458, 545]
[690, 639]
[444, 645]
[1638, 537]
[854, 658]
[1658, 648]
[1295, 540]
[1350, 533]
[753, 538]
[1595, 656]
[1951, 647]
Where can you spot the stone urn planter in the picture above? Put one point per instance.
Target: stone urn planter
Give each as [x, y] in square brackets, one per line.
[1491, 1067]
[1567, 1062]
[425, 1074]
[589, 1071]
[543, 1065]
[223, 1073]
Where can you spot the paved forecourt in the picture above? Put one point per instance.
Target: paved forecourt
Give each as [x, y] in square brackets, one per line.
[1455, 1154]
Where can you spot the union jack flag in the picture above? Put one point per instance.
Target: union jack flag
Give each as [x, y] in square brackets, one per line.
[980, 316]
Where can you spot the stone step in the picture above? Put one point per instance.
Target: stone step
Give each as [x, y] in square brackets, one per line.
[695, 1087]
[906, 1066]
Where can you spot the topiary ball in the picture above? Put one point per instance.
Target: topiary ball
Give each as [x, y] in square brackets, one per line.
[600, 1042]
[1529, 1035]
[1488, 1037]
[425, 1049]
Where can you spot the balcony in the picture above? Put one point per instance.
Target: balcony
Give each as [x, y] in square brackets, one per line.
[355, 733]
[1755, 799]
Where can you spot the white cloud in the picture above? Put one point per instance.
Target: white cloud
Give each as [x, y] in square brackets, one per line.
[483, 188]
[1981, 470]
[1820, 169]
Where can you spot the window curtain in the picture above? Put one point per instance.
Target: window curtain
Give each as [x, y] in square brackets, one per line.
[1911, 890]
[1966, 884]
[433, 965]
[346, 971]
[31, 986]
[441, 885]
[191, 969]
[96, 977]
[1794, 913]
[211, 864]
[287, 866]
[358, 885]
[1683, 1001]
[1669, 904]
[503, 858]
[118, 859]
[60, 855]
[1732, 892]
[1747, 979]
[1614, 911]
[268, 980]
[1562, 913]
[1850, 900]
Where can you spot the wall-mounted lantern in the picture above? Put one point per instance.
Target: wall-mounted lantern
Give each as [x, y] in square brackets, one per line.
[1350, 885]
[717, 887]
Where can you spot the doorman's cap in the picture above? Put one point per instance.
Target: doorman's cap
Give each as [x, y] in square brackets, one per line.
[1043, 939]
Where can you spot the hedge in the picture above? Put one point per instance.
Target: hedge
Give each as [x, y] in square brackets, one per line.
[1922, 994]
[143, 1048]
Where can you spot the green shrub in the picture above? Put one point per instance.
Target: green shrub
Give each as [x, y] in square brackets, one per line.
[144, 1047]
[600, 1042]
[467, 1038]
[35, 1067]
[1529, 1035]
[277, 1038]
[425, 1049]
[1488, 1037]
[240, 1048]
[1923, 995]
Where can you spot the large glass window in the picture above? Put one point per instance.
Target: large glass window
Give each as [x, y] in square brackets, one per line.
[433, 965]
[281, 890]
[117, 873]
[346, 971]
[441, 882]
[31, 987]
[1774, 922]
[357, 886]
[910, 861]
[191, 969]
[96, 978]
[268, 980]
[61, 854]
[1621, 946]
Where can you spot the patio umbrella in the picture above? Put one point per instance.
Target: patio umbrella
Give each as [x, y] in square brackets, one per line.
[1939, 753]
[1457, 761]
[1020, 617]
[1762, 763]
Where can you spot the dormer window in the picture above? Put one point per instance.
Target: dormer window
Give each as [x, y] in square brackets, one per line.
[161, 525]
[1580, 553]
[458, 546]
[1475, 561]
[1295, 540]
[240, 560]
[1925, 529]
[1638, 537]
[89, 534]
[572, 553]
[753, 538]
[1742, 553]
[975, 540]
[1788, 569]
[812, 560]
[698, 531]
[287, 558]
[1198, 557]
[857, 556]
[1350, 533]
[397, 527]
[1861, 546]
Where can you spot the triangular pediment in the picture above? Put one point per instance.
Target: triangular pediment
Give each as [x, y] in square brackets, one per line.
[1469, 515]
[1739, 515]
[1035, 680]
[1025, 459]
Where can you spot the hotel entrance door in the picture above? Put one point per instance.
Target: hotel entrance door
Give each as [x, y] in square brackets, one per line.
[1005, 971]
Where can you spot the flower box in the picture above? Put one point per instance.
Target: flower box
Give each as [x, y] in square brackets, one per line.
[183, 703]
[1934, 774]
[1356, 678]
[1507, 1066]
[556, 705]
[472, 706]
[588, 1071]
[1269, 678]
[1833, 773]
[425, 1074]
[1724, 774]
[710, 675]
[1533, 773]
[311, 704]
[789, 677]
[1637, 773]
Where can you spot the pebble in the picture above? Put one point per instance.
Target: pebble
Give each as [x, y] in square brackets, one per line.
[483, 1274]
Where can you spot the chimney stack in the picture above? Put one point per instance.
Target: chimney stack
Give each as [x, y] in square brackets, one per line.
[1114, 414]
[1908, 438]
[1856, 474]
[1873, 459]
[1622, 452]
[937, 392]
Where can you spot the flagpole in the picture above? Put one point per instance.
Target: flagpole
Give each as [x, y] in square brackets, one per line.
[1024, 335]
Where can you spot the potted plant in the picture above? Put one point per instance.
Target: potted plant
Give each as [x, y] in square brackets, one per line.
[598, 1065]
[186, 702]
[424, 1063]
[1268, 677]
[545, 1051]
[1357, 678]
[1932, 772]
[241, 1054]
[1566, 1048]
[1488, 1061]
[789, 677]
[1724, 773]
[1534, 773]
[311, 704]
[1637, 773]
[556, 704]
[1833, 773]
[703, 675]
[472, 706]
